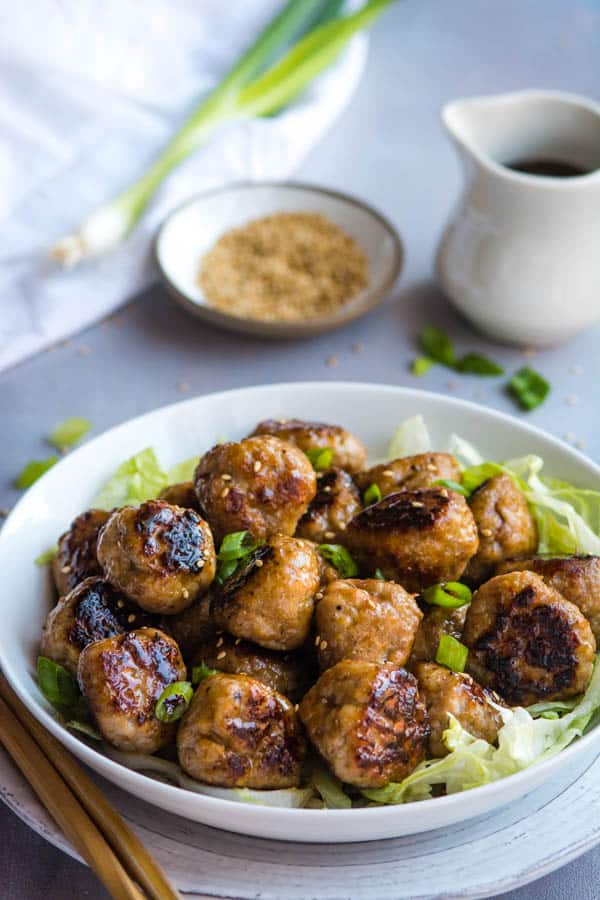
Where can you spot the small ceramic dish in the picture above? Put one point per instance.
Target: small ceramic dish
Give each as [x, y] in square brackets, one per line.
[193, 228]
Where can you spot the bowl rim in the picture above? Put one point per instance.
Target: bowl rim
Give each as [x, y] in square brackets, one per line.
[379, 814]
[348, 312]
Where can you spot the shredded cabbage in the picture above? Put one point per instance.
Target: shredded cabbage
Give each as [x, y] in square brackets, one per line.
[139, 478]
[410, 437]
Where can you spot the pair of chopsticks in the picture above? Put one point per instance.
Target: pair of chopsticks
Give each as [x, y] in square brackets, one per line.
[95, 829]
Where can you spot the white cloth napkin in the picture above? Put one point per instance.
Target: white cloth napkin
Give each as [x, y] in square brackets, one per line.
[89, 92]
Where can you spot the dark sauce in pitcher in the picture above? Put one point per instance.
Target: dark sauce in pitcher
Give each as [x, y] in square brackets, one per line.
[548, 167]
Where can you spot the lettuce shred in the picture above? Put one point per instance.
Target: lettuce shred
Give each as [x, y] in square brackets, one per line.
[140, 478]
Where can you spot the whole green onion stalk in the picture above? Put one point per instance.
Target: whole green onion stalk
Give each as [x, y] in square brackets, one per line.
[242, 93]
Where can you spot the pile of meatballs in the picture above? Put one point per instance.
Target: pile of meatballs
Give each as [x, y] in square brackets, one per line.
[308, 661]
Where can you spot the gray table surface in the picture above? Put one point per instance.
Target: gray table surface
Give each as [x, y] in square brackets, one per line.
[388, 148]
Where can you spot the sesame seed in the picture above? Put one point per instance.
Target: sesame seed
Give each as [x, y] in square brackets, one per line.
[573, 400]
[323, 645]
[224, 492]
[431, 467]
[257, 465]
[220, 642]
[296, 707]
[131, 618]
[221, 655]
[358, 348]
[444, 492]
[237, 641]
[319, 595]
[529, 352]
[329, 535]
[226, 477]
[451, 385]
[120, 604]
[327, 489]
[65, 570]
[185, 593]
[580, 444]
[317, 640]
[576, 370]
[84, 350]
[416, 503]
[388, 473]
[183, 386]
[332, 362]
[343, 526]
[487, 532]
[258, 563]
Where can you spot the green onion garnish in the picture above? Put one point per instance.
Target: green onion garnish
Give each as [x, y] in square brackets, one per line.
[320, 457]
[68, 433]
[439, 348]
[234, 548]
[57, 684]
[421, 365]
[477, 364]
[84, 728]
[372, 494]
[451, 653]
[451, 595]
[529, 388]
[452, 486]
[174, 701]
[34, 470]
[339, 557]
[199, 673]
[379, 575]
[47, 556]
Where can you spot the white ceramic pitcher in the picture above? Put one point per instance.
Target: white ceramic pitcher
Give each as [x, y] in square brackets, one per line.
[520, 257]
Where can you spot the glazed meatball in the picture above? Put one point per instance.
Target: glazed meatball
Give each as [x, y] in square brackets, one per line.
[436, 622]
[504, 524]
[367, 721]
[448, 693]
[288, 673]
[76, 555]
[417, 538]
[270, 598]
[182, 494]
[92, 611]
[577, 578]
[260, 485]
[348, 452]
[192, 626]
[336, 502]
[122, 678]
[237, 732]
[526, 641]
[372, 620]
[161, 556]
[410, 473]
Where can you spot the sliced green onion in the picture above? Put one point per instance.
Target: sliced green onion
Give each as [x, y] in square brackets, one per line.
[57, 684]
[452, 486]
[438, 346]
[33, 470]
[47, 556]
[372, 494]
[421, 365]
[225, 570]
[339, 557]
[451, 653]
[320, 457]
[529, 388]
[477, 364]
[174, 701]
[450, 595]
[199, 673]
[236, 545]
[379, 575]
[69, 432]
[84, 728]
[233, 99]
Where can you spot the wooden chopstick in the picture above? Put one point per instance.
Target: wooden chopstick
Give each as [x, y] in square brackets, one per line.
[64, 808]
[126, 845]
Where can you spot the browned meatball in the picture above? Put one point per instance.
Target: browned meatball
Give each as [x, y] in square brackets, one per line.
[577, 578]
[182, 494]
[410, 473]
[288, 673]
[337, 500]
[372, 620]
[526, 641]
[417, 538]
[90, 612]
[436, 622]
[447, 693]
[76, 555]
[122, 679]
[348, 451]
[270, 599]
[237, 732]
[367, 721]
[260, 485]
[504, 524]
[161, 556]
[192, 626]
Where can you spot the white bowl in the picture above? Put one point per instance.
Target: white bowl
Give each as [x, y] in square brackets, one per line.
[181, 430]
[192, 229]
